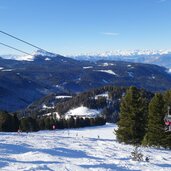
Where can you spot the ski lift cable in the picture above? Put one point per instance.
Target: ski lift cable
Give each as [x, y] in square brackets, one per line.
[11, 47]
[21, 40]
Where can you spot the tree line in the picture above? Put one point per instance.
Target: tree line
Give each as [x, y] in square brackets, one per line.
[142, 121]
[11, 123]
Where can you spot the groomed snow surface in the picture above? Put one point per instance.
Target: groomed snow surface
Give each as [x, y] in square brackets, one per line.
[93, 148]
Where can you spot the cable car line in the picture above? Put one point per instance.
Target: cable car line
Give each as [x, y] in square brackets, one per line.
[11, 47]
[21, 40]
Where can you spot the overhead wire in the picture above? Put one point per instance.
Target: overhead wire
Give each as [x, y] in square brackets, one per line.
[21, 40]
[11, 47]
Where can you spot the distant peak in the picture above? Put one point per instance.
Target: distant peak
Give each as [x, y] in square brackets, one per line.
[30, 57]
[136, 52]
[44, 53]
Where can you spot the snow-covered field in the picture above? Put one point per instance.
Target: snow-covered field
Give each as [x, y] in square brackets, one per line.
[93, 148]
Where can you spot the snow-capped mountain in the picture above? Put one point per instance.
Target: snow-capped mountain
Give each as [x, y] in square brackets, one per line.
[26, 79]
[127, 53]
[158, 57]
[30, 57]
[45, 53]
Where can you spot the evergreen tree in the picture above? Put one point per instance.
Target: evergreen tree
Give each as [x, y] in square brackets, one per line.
[16, 122]
[92, 121]
[52, 123]
[77, 122]
[28, 124]
[47, 123]
[6, 122]
[156, 133]
[41, 123]
[87, 121]
[133, 115]
[71, 122]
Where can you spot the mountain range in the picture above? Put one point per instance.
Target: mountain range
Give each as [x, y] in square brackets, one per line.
[24, 80]
[158, 57]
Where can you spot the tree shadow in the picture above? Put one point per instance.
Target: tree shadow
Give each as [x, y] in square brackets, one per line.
[15, 148]
[64, 152]
[106, 166]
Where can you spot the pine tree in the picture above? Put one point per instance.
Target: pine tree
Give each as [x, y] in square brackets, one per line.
[133, 115]
[16, 122]
[28, 124]
[41, 123]
[156, 133]
[71, 122]
[47, 123]
[6, 122]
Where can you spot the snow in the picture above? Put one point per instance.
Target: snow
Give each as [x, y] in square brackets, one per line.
[19, 57]
[131, 74]
[88, 67]
[44, 53]
[105, 81]
[169, 70]
[123, 53]
[85, 149]
[47, 114]
[53, 114]
[47, 59]
[62, 97]
[107, 71]
[56, 115]
[153, 77]
[83, 112]
[106, 95]
[149, 56]
[47, 107]
[107, 64]
[31, 56]
[7, 70]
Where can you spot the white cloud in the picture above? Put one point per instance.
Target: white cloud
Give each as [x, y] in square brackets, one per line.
[110, 33]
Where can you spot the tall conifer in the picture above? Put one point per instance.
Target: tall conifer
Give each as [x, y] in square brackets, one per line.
[133, 114]
[156, 133]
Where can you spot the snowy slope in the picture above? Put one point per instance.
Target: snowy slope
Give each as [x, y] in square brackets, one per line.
[75, 150]
[83, 111]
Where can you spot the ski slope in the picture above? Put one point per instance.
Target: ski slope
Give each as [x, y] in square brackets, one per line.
[93, 148]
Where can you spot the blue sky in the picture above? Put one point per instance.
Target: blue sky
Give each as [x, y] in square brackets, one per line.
[80, 26]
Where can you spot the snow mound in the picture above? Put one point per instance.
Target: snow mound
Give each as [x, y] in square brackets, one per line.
[82, 112]
[47, 59]
[7, 70]
[88, 67]
[107, 64]
[107, 71]
[106, 95]
[63, 97]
